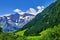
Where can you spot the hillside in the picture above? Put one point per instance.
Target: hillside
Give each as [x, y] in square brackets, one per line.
[47, 19]
[45, 26]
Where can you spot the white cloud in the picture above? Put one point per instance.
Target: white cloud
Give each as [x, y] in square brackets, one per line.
[5, 15]
[31, 11]
[35, 12]
[43, 7]
[40, 9]
[17, 10]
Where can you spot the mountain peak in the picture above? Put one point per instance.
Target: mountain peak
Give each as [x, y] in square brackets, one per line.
[10, 22]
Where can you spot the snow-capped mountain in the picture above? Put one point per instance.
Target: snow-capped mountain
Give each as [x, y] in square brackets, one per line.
[13, 22]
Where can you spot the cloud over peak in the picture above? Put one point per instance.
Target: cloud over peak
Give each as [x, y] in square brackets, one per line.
[40, 9]
[17, 10]
[34, 11]
[5, 15]
[30, 10]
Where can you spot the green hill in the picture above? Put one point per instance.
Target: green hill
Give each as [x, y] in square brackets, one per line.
[45, 26]
[46, 19]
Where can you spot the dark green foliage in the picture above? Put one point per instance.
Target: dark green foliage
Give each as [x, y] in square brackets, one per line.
[7, 36]
[0, 29]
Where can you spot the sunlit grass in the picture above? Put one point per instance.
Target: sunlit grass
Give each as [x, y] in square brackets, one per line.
[20, 33]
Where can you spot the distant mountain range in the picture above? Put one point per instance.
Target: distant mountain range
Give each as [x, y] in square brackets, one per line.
[14, 22]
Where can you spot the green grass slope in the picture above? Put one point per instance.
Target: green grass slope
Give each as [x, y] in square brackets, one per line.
[48, 34]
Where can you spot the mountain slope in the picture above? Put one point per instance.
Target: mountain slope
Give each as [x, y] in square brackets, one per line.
[13, 22]
[48, 18]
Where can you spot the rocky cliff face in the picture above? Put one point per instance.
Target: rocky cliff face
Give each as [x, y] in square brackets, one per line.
[15, 21]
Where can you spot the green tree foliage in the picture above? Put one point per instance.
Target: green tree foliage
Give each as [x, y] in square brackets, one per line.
[7, 36]
[0, 29]
[51, 34]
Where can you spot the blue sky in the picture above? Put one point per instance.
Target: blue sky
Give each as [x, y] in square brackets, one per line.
[7, 6]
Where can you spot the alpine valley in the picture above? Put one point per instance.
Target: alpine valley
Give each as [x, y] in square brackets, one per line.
[43, 26]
